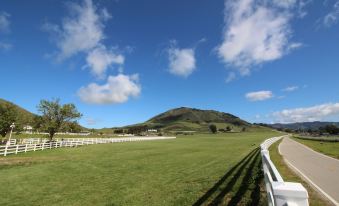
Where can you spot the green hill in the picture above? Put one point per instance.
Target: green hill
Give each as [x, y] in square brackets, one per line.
[24, 117]
[190, 119]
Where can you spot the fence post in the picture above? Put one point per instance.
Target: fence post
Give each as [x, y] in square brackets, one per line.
[43, 145]
[16, 150]
[34, 147]
[25, 148]
[5, 153]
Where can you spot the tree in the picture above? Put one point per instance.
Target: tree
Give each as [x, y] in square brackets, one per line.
[213, 128]
[228, 129]
[54, 115]
[243, 129]
[37, 123]
[8, 115]
[331, 129]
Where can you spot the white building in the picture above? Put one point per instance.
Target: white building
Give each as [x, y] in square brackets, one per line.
[28, 129]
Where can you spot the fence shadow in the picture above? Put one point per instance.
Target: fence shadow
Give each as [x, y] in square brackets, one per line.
[229, 178]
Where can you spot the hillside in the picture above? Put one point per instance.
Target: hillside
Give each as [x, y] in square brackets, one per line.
[24, 117]
[303, 125]
[190, 119]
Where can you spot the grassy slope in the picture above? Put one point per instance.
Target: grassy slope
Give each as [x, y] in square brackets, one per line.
[24, 116]
[192, 169]
[290, 176]
[327, 148]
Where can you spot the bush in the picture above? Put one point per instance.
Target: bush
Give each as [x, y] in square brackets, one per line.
[213, 128]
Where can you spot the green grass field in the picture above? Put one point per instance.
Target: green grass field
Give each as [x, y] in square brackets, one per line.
[197, 169]
[327, 148]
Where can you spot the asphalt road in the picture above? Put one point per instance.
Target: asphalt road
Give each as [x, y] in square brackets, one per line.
[318, 169]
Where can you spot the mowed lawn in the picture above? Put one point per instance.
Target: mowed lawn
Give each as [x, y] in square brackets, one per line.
[193, 169]
[327, 148]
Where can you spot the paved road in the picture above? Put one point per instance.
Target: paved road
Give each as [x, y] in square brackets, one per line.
[320, 170]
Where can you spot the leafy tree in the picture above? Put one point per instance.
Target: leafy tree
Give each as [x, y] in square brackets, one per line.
[138, 130]
[228, 129]
[37, 123]
[330, 129]
[54, 115]
[243, 129]
[213, 128]
[8, 115]
[118, 131]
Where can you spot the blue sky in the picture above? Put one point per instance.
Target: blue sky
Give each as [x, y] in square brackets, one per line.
[122, 62]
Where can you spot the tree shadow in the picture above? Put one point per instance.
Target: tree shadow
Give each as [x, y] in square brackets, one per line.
[237, 170]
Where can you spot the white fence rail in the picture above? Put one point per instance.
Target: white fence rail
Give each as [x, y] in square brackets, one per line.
[42, 144]
[280, 193]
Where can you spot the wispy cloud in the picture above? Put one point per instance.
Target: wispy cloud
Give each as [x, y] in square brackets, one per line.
[4, 28]
[83, 32]
[4, 22]
[267, 21]
[117, 89]
[290, 88]
[259, 95]
[5, 46]
[333, 16]
[91, 121]
[181, 60]
[230, 77]
[307, 114]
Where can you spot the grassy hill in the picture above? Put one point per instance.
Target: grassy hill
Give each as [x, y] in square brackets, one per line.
[190, 119]
[24, 117]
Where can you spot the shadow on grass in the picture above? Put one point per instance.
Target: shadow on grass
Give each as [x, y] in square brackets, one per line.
[248, 173]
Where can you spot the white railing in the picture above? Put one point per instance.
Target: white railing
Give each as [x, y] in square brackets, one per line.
[35, 144]
[280, 193]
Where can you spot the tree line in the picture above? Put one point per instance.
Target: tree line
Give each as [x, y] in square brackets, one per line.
[53, 117]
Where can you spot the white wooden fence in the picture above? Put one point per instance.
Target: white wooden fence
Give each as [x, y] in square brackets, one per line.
[36, 144]
[280, 193]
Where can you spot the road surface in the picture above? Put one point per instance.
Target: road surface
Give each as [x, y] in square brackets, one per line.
[319, 170]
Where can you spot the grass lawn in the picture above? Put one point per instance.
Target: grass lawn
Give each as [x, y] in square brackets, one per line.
[327, 148]
[197, 169]
[290, 176]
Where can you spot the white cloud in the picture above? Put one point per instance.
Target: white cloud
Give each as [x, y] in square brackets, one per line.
[181, 61]
[290, 88]
[4, 22]
[333, 16]
[257, 31]
[82, 31]
[118, 89]
[307, 114]
[100, 59]
[259, 95]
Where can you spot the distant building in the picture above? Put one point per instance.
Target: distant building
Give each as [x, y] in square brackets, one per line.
[152, 130]
[28, 129]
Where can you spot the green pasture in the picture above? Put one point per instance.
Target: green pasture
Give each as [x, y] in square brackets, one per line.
[200, 169]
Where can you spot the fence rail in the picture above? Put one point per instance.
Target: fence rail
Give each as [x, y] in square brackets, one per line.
[280, 193]
[42, 144]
